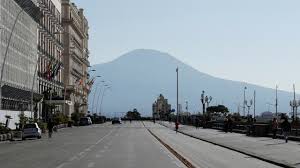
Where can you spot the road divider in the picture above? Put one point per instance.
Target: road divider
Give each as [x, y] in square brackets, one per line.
[180, 157]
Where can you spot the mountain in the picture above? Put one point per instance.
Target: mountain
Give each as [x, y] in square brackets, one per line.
[138, 77]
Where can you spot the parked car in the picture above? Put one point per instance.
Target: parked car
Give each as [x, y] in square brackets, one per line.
[31, 131]
[85, 121]
[116, 121]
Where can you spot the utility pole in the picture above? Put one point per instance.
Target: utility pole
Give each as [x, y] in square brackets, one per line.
[187, 106]
[254, 106]
[244, 105]
[276, 101]
[294, 107]
[177, 118]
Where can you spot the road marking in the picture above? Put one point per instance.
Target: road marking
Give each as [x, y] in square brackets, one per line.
[92, 164]
[61, 165]
[83, 153]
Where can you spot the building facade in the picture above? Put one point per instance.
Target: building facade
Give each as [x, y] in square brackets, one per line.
[76, 54]
[161, 109]
[18, 20]
[50, 52]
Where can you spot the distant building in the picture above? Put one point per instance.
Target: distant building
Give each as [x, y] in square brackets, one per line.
[76, 54]
[161, 108]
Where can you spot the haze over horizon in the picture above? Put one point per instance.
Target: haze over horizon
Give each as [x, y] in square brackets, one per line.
[254, 42]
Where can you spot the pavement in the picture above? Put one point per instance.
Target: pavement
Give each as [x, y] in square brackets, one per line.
[203, 154]
[273, 150]
[108, 146]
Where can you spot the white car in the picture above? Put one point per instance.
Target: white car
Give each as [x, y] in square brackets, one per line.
[31, 131]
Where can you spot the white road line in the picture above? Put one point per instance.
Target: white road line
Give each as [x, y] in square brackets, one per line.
[90, 165]
[83, 153]
[61, 165]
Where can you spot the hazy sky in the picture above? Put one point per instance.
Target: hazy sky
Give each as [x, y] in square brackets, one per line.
[255, 41]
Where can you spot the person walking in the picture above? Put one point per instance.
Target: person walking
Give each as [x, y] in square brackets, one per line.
[176, 126]
[230, 124]
[50, 126]
[274, 127]
[226, 125]
[286, 128]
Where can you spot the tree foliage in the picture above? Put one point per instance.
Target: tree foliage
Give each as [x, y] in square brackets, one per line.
[218, 109]
[133, 114]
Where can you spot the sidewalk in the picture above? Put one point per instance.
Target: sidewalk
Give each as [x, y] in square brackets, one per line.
[265, 148]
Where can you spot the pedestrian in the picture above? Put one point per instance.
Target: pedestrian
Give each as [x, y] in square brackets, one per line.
[274, 127]
[286, 128]
[226, 125]
[176, 126]
[230, 124]
[50, 126]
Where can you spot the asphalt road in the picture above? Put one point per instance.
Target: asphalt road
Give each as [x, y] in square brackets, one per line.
[127, 146]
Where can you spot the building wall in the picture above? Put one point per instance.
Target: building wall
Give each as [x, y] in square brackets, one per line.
[50, 50]
[75, 56]
[22, 53]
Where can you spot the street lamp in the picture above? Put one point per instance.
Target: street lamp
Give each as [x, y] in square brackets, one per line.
[104, 86]
[94, 97]
[205, 100]
[249, 106]
[102, 99]
[244, 105]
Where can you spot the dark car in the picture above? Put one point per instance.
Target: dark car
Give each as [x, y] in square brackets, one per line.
[115, 121]
[85, 121]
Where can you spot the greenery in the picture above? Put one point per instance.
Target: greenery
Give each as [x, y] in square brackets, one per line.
[3, 129]
[60, 118]
[23, 120]
[76, 116]
[134, 115]
[220, 109]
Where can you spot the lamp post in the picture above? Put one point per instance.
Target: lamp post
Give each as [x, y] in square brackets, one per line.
[244, 105]
[99, 97]
[249, 106]
[102, 99]
[254, 105]
[276, 101]
[94, 97]
[6, 51]
[177, 116]
[205, 100]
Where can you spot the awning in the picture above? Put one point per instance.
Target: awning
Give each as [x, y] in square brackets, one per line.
[59, 102]
[10, 92]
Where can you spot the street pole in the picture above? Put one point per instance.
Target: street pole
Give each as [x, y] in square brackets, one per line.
[244, 106]
[254, 105]
[276, 102]
[102, 99]
[32, 87]
[6, 52]
[294, 103]
[177, 118]
[94, 97]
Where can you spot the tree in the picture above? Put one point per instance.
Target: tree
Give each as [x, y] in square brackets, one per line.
[220, 109]
[135, 115]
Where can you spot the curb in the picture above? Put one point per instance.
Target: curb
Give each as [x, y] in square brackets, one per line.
[237, 150]
[186, 162]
